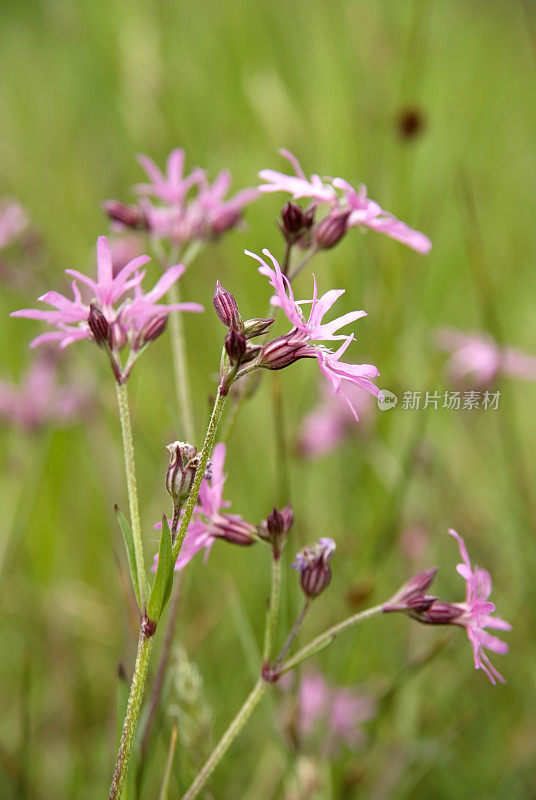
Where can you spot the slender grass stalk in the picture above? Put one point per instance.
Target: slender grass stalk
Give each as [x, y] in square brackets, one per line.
[326, 637]
[273, 611]
[180, 367]
[169, 763]
[130, 467]
[226, 740]
[145, 646]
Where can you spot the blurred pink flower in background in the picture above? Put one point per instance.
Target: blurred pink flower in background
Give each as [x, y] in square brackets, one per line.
[478, 359]
[331, 422]
[356, 207]
[13, 222]
[337, 713]
[40, 399]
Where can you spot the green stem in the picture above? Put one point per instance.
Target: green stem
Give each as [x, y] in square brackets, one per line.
[282, 450]
[180, 367]
[208, 444]
[145, 646]
[130, 466]
[226, 740]
[327, 637]
[292, 635]
[273, 611]
[169, 763]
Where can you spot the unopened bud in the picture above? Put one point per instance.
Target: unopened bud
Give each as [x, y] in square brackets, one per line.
[233, 529]
[308, 218]
[235, 345]
[440, 614]
[252, 351]
[152, 329]
[226, 308]
[181, 470]
[331, 230]
[276, 526]
[99, 326]
[292, 219]
[129, 216]
[411, 594]
[314, 565]
[256, 327]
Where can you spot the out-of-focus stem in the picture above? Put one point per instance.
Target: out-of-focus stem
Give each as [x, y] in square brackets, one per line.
[328, 636]
[226, 740]
[282, 459]
[180, 367]
[169, 762]
[130, 466]
[145, 646]
[272, 612]
[292, 635]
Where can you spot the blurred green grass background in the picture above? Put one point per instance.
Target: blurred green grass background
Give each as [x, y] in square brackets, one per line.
[85, 87]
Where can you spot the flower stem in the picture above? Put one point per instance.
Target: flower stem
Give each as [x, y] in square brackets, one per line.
[208, 444]
[327, 637]
[180, 367]
[145, 646]
[272, 612]
[226, 740]
[292, 635]
[130, 466]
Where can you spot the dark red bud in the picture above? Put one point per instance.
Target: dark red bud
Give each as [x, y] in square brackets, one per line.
[152, 329]
[235, 345]
[331, 230]
[99, 326]
[292, 218]
[128, 216]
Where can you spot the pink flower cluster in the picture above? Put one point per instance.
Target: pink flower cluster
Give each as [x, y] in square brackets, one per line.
[341, 199]
[302, 340]
[478, 359]
[128, 312]
[336, 712]
[189, 208]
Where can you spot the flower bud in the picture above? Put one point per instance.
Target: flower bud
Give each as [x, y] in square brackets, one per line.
[440, 614]
[275, 528]
[235, 345]
[410, 595]
[152, 329]
[99, 326]
[181, 470]
[292, 220]
[284, 351]
[233, 529]
[226, 308]
[128, 216]
[256, 327]
[331, 230]
[313, 562]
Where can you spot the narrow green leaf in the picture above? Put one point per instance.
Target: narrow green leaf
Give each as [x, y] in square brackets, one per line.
[129, 544]
[163, 581]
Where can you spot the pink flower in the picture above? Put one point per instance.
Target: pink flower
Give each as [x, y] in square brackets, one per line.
[340, 710]
[286, 349]
[479, 358]
[13, 222]
[476, 613]
[40, 399]
[185, 216]
[297, 185]
[210, 521]
[70, 317]
[362, 210]
[369, 214]
[331, 422]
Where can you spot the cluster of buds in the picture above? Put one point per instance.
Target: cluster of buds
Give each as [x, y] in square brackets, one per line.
[314, 565]
[412, 599]
[237, 345]
[275, 527]
[180, 474]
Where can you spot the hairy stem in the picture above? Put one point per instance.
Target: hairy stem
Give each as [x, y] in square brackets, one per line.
[226, 740]
[272, 612]
[130, 466]
[327, 637]
[145, 646]
[208, 444]
[180, 367]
